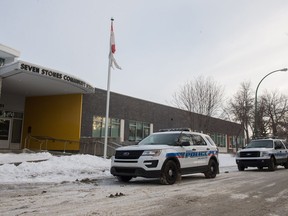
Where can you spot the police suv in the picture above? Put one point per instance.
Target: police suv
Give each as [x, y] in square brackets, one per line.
[167, 155]
[263, 153]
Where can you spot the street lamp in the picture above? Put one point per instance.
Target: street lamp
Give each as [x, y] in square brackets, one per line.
[255, 117]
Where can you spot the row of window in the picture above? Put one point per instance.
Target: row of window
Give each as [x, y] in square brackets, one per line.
[137, 130]
[221, 140]
[99, 127]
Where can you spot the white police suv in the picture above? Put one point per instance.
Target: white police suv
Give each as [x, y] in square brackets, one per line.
[263, 153]
[167, 155]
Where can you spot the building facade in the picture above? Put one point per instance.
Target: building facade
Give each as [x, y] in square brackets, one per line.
[132, 119]
[40, 108]
[46, 109]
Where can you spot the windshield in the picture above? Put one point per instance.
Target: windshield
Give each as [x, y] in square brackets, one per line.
[260, 144]
[163, 138]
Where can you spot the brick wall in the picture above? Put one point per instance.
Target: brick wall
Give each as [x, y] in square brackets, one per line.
[162, 116]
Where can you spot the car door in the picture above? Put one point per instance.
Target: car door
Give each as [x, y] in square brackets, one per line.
[280, 151]
[201, 148]
[189, 159]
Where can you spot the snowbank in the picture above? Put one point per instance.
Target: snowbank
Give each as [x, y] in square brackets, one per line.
[62, 168]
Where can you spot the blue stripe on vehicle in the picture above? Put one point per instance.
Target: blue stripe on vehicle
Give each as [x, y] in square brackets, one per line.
[191, 154]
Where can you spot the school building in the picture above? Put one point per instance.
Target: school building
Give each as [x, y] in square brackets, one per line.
[45, 109]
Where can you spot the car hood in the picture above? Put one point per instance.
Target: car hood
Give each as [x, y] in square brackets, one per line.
[255, 149]
[143, 147]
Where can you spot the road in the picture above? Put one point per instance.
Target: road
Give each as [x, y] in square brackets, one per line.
[251, 192]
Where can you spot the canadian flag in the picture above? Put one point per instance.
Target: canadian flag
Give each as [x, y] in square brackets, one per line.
[112, 40]
[113, 49]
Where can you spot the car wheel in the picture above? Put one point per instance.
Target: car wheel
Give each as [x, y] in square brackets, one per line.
[271, 165]
[286, 164]
[241, 167]
[169, 173]
[212, 169]
[124, 178]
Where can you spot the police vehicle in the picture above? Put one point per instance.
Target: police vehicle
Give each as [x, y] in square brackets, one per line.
[263, 153]
[167, 155]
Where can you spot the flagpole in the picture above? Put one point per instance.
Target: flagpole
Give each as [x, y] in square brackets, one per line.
[107, 101]
[107, 110]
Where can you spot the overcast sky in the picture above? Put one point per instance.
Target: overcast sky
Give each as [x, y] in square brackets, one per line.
[160, 44]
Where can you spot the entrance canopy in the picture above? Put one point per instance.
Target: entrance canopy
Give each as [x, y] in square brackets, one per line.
[26, 79]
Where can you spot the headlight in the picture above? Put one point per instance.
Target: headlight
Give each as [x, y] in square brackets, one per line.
[151, 153]
[264, 154]
[238, 154]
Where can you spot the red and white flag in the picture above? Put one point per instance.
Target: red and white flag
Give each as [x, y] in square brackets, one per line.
[113, 49]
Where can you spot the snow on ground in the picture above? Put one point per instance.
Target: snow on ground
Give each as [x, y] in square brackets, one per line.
[63, 168]
[226, 160]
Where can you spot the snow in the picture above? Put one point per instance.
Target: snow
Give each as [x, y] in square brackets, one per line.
[226, 160]
[45, 167]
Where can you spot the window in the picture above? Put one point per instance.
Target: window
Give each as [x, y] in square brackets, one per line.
[138, 130]
[160, 138]
[186, 138]
[210, 140]
[233, 140]
[198, 140]
[279, 145]
[4, 129]
[219, 139]
[16, 131]
[285, 143]
[99, 127]
[260, 144]
[12, 120]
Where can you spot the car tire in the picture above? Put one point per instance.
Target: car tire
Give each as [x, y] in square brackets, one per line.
[272, 165]
[286, 164]
[124, 178]
[240, 167]
[169, 173]
[212, 169]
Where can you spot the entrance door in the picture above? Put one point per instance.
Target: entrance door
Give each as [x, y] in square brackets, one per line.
[4, 133]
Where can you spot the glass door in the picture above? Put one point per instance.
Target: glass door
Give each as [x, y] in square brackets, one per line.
[4, 133]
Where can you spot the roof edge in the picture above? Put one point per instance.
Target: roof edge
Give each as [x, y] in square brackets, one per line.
[9, 51]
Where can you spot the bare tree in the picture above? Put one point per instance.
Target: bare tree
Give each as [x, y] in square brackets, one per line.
[282, 129]
[262, 120]
[276, 108]
[241, 107]
[202, 96]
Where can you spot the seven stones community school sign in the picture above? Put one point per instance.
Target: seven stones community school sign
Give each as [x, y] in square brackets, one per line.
[55, 74]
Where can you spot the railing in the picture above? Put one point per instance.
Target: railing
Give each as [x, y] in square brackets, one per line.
[88, 145]
[43, 140]
[95, 146]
